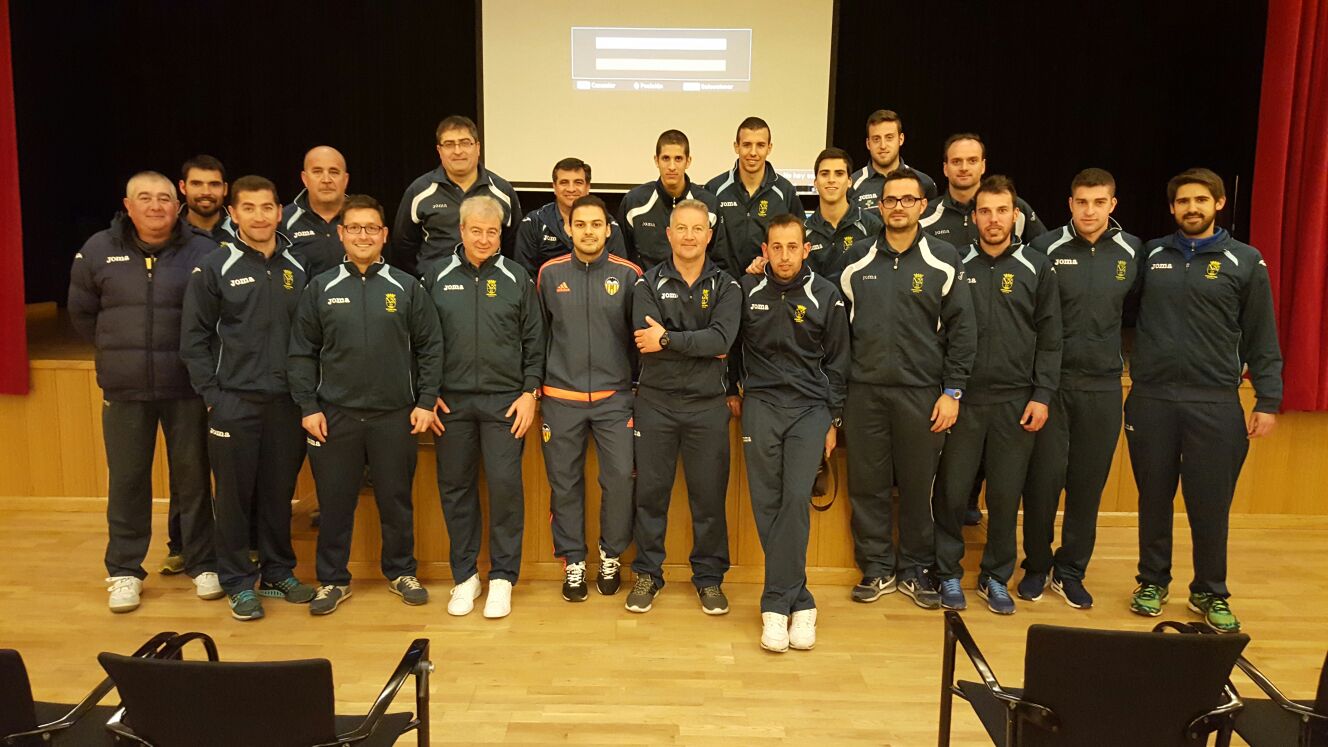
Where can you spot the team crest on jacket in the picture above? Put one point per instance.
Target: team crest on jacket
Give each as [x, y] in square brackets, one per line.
[799, 314]
[288, 280]
[546, 432]
[1120, 269]
[1007, 283]
[1213, 268]
[491, 288]
[611, 286]
[705, 298]
[848, 242]
[763, 208]
[390, 302]
[917, 282]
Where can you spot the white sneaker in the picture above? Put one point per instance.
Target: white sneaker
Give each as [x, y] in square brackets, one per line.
[802, 633]
[774, 632]
[464, 595]
[207, 586]
[499, 602]
[125, 591]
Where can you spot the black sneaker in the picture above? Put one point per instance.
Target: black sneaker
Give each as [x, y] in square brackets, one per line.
[1073, 591]
[921, 587]
[608, 580]
[289, 589]
[1031, 585]
[328, 598]
[871, 588]
[713, 601]
[642, 596]
[410, 590]
[574, 582]
[972, 517]
[997, 596]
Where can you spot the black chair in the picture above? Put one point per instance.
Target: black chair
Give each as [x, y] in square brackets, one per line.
[1280, 721]
[170, 702]
[1085, 687]
[25, 721]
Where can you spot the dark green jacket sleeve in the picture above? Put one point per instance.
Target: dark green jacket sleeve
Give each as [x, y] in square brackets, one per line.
[306, 348]
[198, 323]
[1259, 348]
[426, 338]
[532, 339]
[717, 339]
[1047, 320]
[960, 331]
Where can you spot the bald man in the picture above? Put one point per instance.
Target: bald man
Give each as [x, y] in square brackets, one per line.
[311, 220]
[126, 288]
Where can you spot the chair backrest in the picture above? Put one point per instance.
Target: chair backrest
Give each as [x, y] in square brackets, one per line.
[172, 703]
[1122, 687]
[17, 712]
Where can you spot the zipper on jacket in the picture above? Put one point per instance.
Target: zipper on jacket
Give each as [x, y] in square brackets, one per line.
[150, 262]
[590, 372]
[476, 338]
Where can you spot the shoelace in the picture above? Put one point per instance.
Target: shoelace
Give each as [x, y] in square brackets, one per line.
[643, 585]
[608, 567]
[711, 592]
[802, 622]
[1149, 592]
[324, 592]
[120, 583]
[951, 586]
[997, 590]
[287, 585]
[410, 582]
[576, 574]
[242, 597]
[1218, 606]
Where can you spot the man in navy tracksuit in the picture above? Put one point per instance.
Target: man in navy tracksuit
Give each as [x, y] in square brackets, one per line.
[794, 360]
[1096, 265]
[311, 220]
[913, 347]
[488, 397]
[428, 222]
[588, 374]
[885, 140]
[365, 352]
[645, 211]
[750, 194]
[837, 224]
[1015, 375]
[234, 338]
[686, 312]
[126, 289]
[544, 235]
[950, 217]
[1205, 315]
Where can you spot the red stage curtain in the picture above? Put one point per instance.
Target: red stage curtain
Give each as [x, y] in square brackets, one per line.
[1289, 212]
[13, 333]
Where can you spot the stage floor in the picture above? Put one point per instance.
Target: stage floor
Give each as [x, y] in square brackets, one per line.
[593, 673]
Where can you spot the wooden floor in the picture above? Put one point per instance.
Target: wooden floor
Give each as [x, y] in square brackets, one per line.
[595, 674]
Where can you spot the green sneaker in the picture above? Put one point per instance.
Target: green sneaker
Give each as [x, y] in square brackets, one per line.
[171, 565]
[245, 605]
[1148, 600]
[1216, 612]
[289, 589]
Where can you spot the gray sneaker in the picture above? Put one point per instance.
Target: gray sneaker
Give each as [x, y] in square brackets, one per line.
[921, 587]
[289, 589]
[409, 589]
[871, 588]
[642, 596]
[713, 601]
[245, 605]
[328, 598]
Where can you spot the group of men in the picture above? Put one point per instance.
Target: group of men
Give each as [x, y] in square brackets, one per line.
[952, 338]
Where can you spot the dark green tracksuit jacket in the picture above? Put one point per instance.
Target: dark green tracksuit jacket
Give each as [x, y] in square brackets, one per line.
[744, 217]
[831, 244]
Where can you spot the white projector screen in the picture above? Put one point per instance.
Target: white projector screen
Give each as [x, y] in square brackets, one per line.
[600, 79]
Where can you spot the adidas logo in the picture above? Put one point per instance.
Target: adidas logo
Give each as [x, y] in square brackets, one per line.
[562, 288]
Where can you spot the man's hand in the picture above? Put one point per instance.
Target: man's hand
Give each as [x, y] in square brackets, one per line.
[316, 426]
[735, 406]
[422, 420]
[1034, 417]
[944, 413]
[439, 408]
[831, 439]
[524, 408]
[757, 267]
[647, 340]
[1260, 424]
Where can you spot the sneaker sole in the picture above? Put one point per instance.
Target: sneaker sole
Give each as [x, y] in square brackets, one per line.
[1061, 591]
[1147, 612]
[955, 608]
[393, 589]
[913, 595]
[496, 614]
[574, 600]
[120, 609]
[609, 593]
[802, 648]
[1028, 599]
[889, 588]
[166, 571]
[279, 594]
[983, 595]
[468, 610]
[774, 650]
[724, 611]
[642, 610]
[247, 618]
[333, 608]
[1198, 611]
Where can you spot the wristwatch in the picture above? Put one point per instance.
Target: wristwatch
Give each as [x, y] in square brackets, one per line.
[534, 393]
[956, 393]
[664, 339]
[837, 422]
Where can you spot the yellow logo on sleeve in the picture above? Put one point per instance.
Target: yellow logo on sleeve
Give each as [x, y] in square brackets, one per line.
[1007, 283]
[390, 302]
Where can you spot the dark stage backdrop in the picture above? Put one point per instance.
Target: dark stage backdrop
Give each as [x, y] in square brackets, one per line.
[1144, 89]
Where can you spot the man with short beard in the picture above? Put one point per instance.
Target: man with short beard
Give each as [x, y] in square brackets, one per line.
[203, 184]
[1205, 316]
[885, 141]
[310, 221]
[545, 234]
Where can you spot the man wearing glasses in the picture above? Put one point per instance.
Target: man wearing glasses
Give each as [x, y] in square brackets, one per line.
[365, 352]
[885, 140]
[428, 219]
[914, 341]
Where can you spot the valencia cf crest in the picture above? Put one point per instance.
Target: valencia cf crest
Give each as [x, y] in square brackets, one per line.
[546, 433]
[612, 286]
[1213, 268]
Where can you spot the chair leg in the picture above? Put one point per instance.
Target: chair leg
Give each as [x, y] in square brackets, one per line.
[947, 686]
[422, 702]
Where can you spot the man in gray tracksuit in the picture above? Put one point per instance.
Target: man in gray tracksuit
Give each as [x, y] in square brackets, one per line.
[588, 373]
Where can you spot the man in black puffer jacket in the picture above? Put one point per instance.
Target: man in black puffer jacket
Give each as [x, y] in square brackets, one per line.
[126, 288]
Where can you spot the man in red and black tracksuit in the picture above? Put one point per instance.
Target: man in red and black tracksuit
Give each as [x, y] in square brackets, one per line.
[794, 364]
[1205, 315]
[490, 388]
[588, 373]
[1096, 265]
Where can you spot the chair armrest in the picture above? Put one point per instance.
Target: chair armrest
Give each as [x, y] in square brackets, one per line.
[959, 630]
[415, 663]
[173, 647]
[1276, 695]
[1220, 719]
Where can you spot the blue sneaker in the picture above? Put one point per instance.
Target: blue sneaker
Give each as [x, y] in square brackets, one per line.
[245, 606]
[952, 596]
[997, 596]
[1031, 586]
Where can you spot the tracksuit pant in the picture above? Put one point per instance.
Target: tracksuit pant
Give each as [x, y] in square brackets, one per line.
[382, 439]
[1072, 452]
[256, 446]
[1201, 446]
[478, 428]
[702, 438]
[989, 432]
[130, 431]
[565, 432]
[783, 448]
[889, 442]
